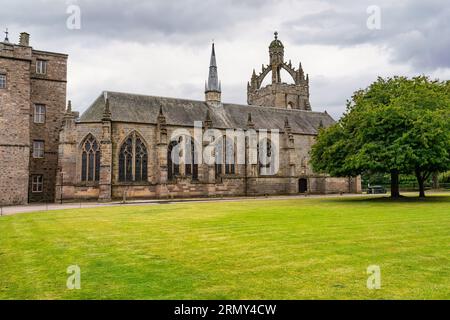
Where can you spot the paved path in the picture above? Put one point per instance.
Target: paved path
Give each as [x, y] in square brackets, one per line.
[5, 211]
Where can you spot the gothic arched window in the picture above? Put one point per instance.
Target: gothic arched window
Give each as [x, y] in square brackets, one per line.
[265, 156]
[173, 161]
[218, 154]
[90, 159]
[133, 159]
[230, 156]
[191, 165]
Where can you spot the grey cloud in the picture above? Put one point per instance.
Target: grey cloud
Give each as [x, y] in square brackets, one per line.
[135, 21]
[415, 31]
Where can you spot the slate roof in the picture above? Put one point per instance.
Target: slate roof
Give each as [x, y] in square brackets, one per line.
[136, 108]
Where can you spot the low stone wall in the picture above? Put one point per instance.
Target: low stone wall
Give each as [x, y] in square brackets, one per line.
[224, 187]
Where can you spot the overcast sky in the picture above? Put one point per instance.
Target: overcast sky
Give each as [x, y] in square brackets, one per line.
[162, 47]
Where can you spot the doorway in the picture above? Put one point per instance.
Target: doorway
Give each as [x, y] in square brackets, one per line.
[302, 185]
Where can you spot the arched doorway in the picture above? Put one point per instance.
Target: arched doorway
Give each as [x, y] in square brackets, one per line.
[302, 185]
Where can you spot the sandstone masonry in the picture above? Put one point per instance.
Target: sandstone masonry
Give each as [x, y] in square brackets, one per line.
[32, 104]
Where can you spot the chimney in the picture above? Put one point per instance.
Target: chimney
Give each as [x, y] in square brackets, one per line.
[24, 39]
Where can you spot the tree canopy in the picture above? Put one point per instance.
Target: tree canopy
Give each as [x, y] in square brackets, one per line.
[396, 125]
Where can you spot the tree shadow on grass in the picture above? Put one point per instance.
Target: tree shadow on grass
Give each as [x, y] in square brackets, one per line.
[388, 199]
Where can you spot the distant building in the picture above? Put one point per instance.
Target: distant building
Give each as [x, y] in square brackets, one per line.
[32, 104]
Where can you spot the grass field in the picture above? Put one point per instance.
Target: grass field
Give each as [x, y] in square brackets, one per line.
[274, 249]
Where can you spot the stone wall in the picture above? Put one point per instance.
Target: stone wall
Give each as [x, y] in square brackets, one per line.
[294, 165]
[280, 95]
[24, 89]
[49, 90]
[14, 124]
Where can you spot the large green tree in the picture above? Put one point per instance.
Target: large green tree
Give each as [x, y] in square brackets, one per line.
[396, 125]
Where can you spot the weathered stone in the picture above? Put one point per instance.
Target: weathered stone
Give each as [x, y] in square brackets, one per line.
[24, 89]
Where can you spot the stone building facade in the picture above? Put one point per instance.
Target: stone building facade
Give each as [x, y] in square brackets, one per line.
[139, 146]
[32, 104]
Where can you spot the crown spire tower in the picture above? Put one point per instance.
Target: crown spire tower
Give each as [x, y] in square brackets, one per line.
[212, 86]
[293, 94]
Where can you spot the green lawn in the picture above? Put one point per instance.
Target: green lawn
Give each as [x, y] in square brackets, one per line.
[269, 249]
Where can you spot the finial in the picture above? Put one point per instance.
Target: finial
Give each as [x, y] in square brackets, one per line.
[107, 110]
[69, 106]
[276, 35]
[250, 123]
[160, 110]
[6, 35]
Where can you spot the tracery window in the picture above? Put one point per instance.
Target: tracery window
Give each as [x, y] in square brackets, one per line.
[191, 165]
[90, 159]
[218, 154]
[133, 159]
[265, 156]
[230, 156]
[225, 156]
[173, 161]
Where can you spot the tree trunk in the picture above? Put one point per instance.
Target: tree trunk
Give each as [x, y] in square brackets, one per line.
[395, 188]
[421, 181]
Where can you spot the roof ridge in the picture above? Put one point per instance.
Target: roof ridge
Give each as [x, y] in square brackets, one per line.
[225, 103]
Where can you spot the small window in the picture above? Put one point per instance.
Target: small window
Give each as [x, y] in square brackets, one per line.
[39, 113]
[38, 149]
[41, 66]
[37, 183]
[2, 81]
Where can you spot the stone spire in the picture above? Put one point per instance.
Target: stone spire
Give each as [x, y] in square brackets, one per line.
[213, 86]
